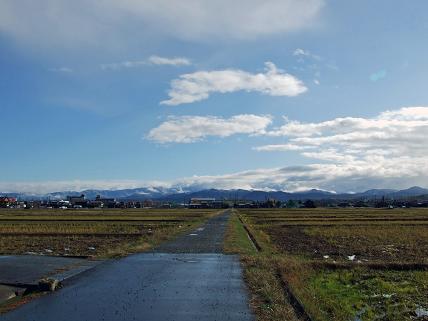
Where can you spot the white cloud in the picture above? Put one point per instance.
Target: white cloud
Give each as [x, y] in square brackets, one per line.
[123, 65]
[279, 148]
[386, 148]
[389, 130]
[189, 88]
[152, 60]
[202, 19]
[108, 23]
[328, 176]
[188, 129]
[300, 52]
[178, 61]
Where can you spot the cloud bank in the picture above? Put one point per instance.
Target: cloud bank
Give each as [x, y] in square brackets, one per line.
[189, 129]
[197, 86]
[332, 177]
[349, 154]
[81, 23]
[395, 133]
[389, 147]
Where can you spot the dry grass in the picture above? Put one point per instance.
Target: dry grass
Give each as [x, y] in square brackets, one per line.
[269, 301]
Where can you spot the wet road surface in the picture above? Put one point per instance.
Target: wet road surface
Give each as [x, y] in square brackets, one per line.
[171, 283]
[205, 239]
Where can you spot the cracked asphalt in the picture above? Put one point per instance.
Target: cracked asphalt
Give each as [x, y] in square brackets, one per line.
[183, 280]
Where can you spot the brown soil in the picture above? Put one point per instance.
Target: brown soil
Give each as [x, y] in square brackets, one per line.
[296, 241]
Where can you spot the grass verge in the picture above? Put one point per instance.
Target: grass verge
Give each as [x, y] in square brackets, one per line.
[268, 300]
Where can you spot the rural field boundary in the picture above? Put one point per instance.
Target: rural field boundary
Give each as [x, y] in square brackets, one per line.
[250, 236]
[295, 303]
[298, 307]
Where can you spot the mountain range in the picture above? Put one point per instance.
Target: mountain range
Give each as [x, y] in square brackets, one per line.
[180, 195]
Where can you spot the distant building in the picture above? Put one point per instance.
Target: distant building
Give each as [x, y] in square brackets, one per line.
[6, 201]
[104, 199]
[148, 203]
[203, 202]
[34, 204]
[104, 202]
[77, 200]
[244, 204]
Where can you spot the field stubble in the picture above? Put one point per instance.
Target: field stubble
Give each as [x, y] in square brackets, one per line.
[94, 233]
[356, 264]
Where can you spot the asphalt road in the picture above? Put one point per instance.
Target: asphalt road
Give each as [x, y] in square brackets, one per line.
[205, 239]
[169, 284]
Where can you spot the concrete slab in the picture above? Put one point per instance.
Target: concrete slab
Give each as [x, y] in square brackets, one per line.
[9, 292]
[27, 270]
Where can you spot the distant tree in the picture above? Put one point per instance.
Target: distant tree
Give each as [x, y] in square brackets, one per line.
[291, 204]
[360, 204]
[381, 203]
[309, 204]
[272, 203]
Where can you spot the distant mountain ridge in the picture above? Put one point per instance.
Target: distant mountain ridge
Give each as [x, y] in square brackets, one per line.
[313, 194]
[179, 195]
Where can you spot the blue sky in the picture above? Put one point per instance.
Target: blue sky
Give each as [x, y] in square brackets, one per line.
[280, 94]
